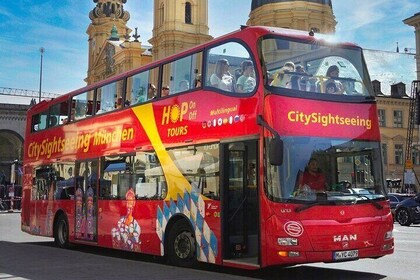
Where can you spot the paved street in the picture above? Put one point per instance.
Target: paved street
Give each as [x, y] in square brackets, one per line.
[23, 256]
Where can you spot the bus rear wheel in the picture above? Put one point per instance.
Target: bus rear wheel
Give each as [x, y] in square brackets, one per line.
[61, 232]
[181, 245]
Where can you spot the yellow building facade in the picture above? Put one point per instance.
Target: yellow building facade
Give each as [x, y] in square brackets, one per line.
[110, 50]
[315, 15]
[393, 116]
[178, 25]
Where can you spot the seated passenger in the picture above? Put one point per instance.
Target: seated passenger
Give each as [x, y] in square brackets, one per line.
[183, 85]
[165, 91]
[349, 87]
[119, 103]
[221, 78]
[331, 88]
[281, 77]
[299, 81]
[198, 81]
[333, 73]
[246, 82]
[151, 92]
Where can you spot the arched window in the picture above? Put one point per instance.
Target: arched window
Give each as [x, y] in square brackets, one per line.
[188, 17]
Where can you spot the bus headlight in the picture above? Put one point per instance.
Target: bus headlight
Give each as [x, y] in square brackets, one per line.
[287, 241]
[388, 235]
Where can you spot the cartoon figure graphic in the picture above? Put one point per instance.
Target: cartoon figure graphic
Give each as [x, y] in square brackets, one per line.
[90, 215]
[79, 212]
[126, 235]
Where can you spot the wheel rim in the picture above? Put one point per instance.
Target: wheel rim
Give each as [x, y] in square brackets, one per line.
[184, 245]
[402, 216]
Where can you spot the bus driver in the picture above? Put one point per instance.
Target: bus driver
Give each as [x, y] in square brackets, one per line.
[312, 177]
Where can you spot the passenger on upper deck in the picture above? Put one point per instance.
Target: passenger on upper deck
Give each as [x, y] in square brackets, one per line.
[349, 87]
[333, 73]
[246, 82]
[299, 82]
[119, 103]
[151, 93]
[221, 78]
[281, 77]
[183, 85]
[165, 91]
[331, 88]
[198, 81]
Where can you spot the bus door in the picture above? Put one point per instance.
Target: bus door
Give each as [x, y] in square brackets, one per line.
[240, 213]
[86, 210]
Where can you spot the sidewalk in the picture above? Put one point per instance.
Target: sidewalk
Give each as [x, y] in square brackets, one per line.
[9, 211]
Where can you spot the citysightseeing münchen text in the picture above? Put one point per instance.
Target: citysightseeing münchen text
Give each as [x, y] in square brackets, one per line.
[83, 141]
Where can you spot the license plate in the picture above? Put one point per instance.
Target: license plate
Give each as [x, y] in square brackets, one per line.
[346, 255]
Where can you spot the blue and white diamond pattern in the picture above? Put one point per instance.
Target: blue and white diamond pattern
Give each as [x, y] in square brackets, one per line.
[192, 206]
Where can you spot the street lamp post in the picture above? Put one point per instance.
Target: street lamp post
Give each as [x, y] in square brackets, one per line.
[42, 50]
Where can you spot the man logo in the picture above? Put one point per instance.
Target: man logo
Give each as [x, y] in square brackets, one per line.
[345, 237]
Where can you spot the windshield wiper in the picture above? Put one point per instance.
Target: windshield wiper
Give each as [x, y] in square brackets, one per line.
[375, 203]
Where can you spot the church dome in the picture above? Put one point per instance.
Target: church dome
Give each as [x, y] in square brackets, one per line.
[258, 3]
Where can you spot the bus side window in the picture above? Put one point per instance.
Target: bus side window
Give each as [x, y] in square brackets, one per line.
[106, 96]
[82, 106]
[40, 121]
[180, 75]
[35, 122]
[222, 63]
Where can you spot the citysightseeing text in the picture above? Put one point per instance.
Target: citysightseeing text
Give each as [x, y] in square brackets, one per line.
[82, 141]
[327, 119]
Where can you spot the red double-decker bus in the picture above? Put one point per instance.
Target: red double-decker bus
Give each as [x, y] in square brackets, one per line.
[259, 148]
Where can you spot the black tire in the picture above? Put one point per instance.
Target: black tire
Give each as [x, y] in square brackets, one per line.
[403, 217]
[61, 232]
[181, 245]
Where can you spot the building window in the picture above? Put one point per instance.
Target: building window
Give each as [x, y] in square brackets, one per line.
[188, 18]
[381, 118]
[398, 151]
[398, 119]
[385, 153]
[416, 157]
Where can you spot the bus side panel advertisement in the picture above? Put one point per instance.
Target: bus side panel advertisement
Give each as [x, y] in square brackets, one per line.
[297, 117]
[206, 116]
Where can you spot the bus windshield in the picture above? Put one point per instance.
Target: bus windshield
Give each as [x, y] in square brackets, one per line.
[342, 170]
[314, 67]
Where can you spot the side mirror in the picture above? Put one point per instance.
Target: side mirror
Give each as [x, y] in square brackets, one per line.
[275, 152]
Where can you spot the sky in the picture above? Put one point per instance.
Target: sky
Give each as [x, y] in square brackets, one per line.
[59, 26]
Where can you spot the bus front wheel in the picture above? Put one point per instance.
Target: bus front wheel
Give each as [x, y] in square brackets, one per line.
[61, 232]
[181, 245]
